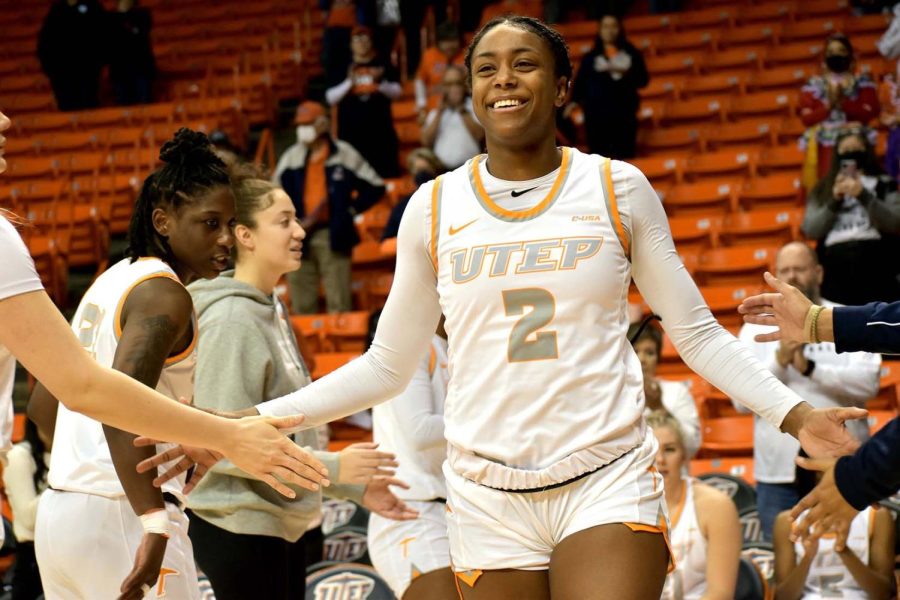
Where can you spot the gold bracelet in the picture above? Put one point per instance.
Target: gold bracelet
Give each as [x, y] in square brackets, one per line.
[810, 329]
[815, 325]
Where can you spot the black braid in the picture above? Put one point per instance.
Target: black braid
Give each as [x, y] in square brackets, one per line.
[553, 39]
[191, 168]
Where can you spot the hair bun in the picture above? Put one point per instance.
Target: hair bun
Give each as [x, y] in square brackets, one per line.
[188, 147]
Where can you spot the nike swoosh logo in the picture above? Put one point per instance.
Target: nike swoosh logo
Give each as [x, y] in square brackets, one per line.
[454, 230]
[516, 194]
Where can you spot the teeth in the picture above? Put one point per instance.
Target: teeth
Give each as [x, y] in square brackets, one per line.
[506, 103]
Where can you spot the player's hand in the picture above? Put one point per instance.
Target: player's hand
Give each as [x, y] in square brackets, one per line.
[147, 563]
[786, 308]
[186, 456]
[361, 462]
[827, 509]
[823, 434]
[379, 499]
[810, 547]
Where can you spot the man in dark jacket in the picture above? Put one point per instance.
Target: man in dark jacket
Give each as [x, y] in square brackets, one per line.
[850, 483]
[320, 174]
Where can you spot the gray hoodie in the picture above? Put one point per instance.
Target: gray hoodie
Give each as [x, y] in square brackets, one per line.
[247, 354]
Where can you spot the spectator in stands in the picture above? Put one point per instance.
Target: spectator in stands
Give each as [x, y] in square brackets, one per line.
[830, 101]
[340, 19]
[889, 98]
[131, 64]
[423, 166]
[451, 129]
[854, 214]
[320, 174]
[606, 88]
[814, 568]
[246, 538]
[435, 60]
[816, 372]
[672, 397]
[24, 479]
[364, 105]
[384, 17]
[72, 52]
[705, 533]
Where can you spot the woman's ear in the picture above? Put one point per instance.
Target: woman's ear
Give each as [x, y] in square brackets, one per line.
[161, 221]
[562, 91]
[243, 235]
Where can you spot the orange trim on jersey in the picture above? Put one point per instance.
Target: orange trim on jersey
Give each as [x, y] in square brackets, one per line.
[435, 221]
[432, 361]
[660, 529]
[679, 508]
[530, 212]
[469, 577]
[614, 208]
[187, 351]
[117, 323]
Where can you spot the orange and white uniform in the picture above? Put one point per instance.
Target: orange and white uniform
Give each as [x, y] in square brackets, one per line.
[85, 495]
[545, 391]
[828, 576]
[688, 580]
[411, 426]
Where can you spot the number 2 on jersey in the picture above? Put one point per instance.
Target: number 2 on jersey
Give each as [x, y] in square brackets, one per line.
[543, 309]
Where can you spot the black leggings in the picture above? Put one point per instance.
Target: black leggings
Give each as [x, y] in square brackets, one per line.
[248, 566]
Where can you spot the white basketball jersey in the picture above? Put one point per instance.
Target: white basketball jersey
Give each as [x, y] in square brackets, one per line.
[420, 469]
[688, 580]
[828, 576]
[533, 282]
[80, 461]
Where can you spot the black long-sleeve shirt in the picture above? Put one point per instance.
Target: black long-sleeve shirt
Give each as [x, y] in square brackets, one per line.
[873, 472]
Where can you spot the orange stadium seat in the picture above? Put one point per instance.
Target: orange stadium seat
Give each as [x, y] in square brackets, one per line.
[711, 18]
[769, 104]
[771, 12]
[806, 30]
[727, 60]
[663, 88]
[670, 140]
[650, 24]
[750, 36]
[790, 130]
[821, 8]
[732, 465]
[774, 191]
[722, 163]
[785, 79]
[42, 123]
[326, 362]
[727, 436]
[719, 84]
[695, 233]
[762, 227]
[780, 158]
[671, 64]
[802, 53]
[347, 332]
[694, 41]
[31, 168]
[707, 198]
[660, 168]
[745, 134]
[735, 266]
[698, 110]
[880, 418]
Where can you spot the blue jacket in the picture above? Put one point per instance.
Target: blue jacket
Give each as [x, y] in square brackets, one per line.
[873, 473]
[346, 172]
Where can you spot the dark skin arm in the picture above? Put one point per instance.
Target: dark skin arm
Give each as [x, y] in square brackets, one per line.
[42, 407]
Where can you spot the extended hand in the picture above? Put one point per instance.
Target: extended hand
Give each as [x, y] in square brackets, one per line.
[823, 434]
[361, 462]
[379, 499]
[187, 456]
[827, 509]
[786, 308]
[147, 563]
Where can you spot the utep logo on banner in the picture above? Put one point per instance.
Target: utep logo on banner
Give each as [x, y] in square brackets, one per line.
[346, 546]
[336, 513]
[751, 525]
[344, 586]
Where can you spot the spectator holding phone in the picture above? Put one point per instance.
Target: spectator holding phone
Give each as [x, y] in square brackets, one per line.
[854, 214]
[452, 130]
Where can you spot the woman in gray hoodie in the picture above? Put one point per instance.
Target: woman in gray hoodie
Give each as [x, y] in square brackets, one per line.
[245, 535]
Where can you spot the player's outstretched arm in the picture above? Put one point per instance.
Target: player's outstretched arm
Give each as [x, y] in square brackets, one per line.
[704, 344]
[34, 331]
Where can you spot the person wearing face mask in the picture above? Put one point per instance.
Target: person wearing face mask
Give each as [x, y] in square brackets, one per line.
[452, 130]
[816, 372]
[423, 166]
[606, 89]
[321, 174]
[830, 101]
[854, 214]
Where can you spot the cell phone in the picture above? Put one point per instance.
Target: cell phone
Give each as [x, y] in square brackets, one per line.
[848, 167]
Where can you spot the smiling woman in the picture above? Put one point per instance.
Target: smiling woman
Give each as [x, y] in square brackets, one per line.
[550, 485]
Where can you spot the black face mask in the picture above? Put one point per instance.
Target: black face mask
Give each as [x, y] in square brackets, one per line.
[838, 63]
[857, 156]
[421, 177]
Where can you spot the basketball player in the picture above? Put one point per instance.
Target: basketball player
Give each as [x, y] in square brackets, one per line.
[529, 251]
[414, 556]
[706, 531]
[138, 318]
[34, 332]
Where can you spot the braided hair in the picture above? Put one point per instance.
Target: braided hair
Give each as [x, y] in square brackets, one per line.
[551, 37]
[190, 168]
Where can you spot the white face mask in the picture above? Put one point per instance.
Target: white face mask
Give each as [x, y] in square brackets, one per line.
[306, 134]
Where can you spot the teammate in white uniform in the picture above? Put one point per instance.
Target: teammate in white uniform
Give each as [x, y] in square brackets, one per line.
[813, 570]
[414, 556]
[529, 252]
[35, 333]
[138, 318]
[706, 531]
